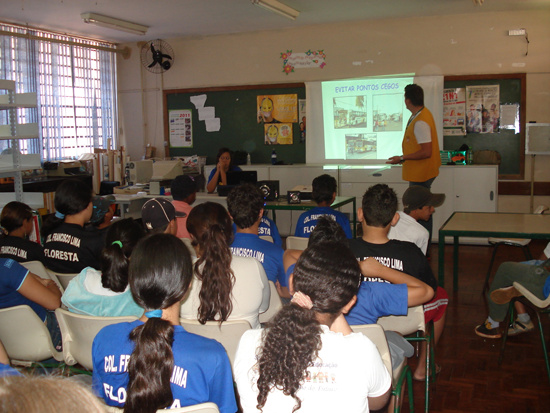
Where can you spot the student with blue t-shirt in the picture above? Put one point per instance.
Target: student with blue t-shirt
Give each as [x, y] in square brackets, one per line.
[153, 363]
[246, 206]
[324, 193]
[18, 286]
[267, 228]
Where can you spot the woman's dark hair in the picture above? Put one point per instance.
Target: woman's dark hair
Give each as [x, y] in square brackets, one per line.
[223, 150]
[210, 225]
[160, 274]
[329, 274]
[13, 215]
[71, 197]
[121, 238]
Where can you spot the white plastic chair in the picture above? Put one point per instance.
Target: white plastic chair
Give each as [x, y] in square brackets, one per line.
[267, 238]
[228, 333]
[414, 323]
[401, 373]
[275, 304]
[36, 267]
[25, 336]
[189, 246]
[78, 332]
[296, 243]
[62, 278]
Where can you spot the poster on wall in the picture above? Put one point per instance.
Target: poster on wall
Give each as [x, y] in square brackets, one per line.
[181, 128]
[277, 108]
[454, 112]
[278, 134]
[483, 108]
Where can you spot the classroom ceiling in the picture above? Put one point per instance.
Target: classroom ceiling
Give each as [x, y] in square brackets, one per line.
[195, 18]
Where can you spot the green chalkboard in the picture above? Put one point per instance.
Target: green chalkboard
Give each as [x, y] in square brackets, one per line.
[507, 142]
[236, 107]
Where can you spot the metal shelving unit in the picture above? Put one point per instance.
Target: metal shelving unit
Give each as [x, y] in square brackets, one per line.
[14, 131]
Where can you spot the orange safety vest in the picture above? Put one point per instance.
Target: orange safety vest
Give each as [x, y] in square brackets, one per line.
[423, 169]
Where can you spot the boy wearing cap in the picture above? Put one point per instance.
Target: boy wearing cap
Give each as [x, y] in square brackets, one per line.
[418, 205]
[159, 215]
[377, 215]
[184, 192]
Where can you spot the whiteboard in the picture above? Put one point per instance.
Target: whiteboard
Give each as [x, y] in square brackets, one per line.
[537, 139]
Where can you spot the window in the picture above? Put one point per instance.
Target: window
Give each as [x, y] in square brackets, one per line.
[75, 83]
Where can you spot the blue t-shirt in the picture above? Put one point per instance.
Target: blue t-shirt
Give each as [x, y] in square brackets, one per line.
[308, 220]
[269, 254]
[201, 374]
[269, 228]
[376, 300]
[12, 276]
[7, 370]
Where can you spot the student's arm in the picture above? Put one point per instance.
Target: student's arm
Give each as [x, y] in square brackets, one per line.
[418, 292]
[42, 292]
[290, 257]
[213, 182]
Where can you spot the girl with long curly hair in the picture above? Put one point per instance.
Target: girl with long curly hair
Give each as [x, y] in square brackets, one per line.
[225, 287]
[308, 359]
[153, 363]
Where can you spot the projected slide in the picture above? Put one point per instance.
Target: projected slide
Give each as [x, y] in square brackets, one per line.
[365, 118]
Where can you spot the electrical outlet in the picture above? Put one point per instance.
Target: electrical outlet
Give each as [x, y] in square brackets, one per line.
[516, 32]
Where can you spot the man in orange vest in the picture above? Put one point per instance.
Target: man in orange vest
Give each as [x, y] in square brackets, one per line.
[421, 158]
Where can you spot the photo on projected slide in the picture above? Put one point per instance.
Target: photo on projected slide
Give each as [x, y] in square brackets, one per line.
[387, 113]
[361, 146]
[349, 112]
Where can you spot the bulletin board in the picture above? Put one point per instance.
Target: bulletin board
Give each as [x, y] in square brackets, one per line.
[236, 108]
[508, 142]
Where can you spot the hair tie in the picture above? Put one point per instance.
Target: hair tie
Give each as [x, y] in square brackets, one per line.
[302, 300]
[59, 215]
[153, 314]
[117, 243]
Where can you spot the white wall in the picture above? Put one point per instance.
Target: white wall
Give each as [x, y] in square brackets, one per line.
[475, 43]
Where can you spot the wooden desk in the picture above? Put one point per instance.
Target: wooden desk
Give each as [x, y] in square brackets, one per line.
[487, 224]
[283, 205]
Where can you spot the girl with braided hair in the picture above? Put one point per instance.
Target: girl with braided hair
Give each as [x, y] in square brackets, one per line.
[308, 359]
[153, 363]
[224, 287]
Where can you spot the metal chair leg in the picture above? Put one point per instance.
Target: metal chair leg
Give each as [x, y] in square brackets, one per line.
[543, 342]
[510, 318]
[486, 283]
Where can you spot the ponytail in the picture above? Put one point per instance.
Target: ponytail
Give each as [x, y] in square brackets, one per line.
[122, 236]
[210, 225]
[290, 345]
[152, 352]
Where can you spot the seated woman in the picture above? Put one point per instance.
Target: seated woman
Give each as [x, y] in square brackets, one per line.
[106, 293]
[17, 223]
[225, 287]
[309, 360]
[68, 247]
[18, 286]
[224, 164]
[155, 362]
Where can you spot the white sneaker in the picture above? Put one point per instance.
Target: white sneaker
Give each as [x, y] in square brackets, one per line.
[519, 328]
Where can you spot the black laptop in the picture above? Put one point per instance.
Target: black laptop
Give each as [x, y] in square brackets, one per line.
[235, 178]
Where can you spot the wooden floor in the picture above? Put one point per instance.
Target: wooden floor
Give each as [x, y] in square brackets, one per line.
[470, 379]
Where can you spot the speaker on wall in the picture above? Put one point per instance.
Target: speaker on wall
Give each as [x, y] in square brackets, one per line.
[270, 189]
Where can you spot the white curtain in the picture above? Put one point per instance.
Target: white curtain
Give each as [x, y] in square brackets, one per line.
[75, 87]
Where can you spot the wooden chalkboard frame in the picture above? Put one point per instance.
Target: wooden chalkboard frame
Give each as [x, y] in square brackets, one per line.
[522, 111]
[277, 88]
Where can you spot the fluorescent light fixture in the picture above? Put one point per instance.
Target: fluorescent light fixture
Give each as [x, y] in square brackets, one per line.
[516, 32]
[112, 23]
[277, 7]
